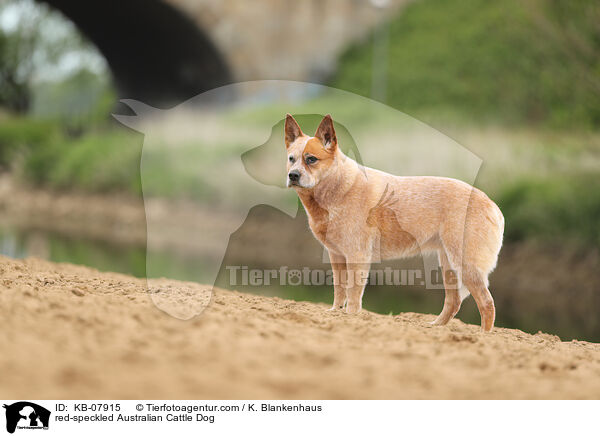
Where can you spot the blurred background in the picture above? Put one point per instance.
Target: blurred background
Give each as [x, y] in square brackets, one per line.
[516, 83]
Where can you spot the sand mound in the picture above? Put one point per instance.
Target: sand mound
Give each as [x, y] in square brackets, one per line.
[73, 332]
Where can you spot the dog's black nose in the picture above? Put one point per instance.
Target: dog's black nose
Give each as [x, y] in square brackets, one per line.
[294, 176]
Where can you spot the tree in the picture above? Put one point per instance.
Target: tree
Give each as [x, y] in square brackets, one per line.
[38, 45]
[17, 48]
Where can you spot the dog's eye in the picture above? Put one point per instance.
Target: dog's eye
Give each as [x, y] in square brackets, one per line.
[291, 159]
[311, 160]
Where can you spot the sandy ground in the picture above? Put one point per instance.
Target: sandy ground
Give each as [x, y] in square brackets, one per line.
[73, 332]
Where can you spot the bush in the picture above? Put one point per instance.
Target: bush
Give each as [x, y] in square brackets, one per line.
[43, 153]
[94, 162]
[558, 208]
[20, 135]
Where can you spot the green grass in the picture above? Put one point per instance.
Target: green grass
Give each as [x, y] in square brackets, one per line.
[512, 62]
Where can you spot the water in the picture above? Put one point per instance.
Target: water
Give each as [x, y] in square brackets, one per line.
[58, 248]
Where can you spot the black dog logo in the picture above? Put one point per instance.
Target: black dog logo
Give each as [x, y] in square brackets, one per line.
[24, 414]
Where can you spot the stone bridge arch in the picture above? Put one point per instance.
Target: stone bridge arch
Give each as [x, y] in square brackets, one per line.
[166, 51]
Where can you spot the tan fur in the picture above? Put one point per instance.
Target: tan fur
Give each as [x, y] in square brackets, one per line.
[362, 215]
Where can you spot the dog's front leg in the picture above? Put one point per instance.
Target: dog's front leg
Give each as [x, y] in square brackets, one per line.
[338, 266]
[358, 274]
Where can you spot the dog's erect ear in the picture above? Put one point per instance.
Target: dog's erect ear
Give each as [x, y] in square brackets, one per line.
[292, 130]
[326, 133]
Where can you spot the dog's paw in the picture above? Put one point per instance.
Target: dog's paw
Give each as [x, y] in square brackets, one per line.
[352, 308]
[334, 308]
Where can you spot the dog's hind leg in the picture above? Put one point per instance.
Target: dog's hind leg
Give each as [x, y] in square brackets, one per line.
[477, 285]
[452, 300]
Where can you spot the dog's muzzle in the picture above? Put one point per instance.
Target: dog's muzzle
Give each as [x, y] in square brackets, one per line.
[293, 178]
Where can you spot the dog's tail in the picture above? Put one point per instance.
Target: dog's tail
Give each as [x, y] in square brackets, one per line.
[463, 292]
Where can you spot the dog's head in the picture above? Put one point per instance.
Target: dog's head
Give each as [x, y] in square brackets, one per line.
[309, 158]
